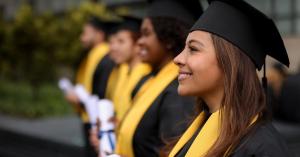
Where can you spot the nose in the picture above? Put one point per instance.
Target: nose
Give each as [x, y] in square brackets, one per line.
[140, 41]
[179, 60]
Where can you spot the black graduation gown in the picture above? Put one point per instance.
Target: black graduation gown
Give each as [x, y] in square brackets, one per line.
[168, 117]
[264, 141]
[101, 76]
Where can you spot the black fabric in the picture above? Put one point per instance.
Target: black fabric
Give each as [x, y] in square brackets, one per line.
[97, 23]
[130, 23]
[185, 11]
[89, 150]
[166, 118]
[289, 108]
[245, 27]
[264, 141]
[101, 76]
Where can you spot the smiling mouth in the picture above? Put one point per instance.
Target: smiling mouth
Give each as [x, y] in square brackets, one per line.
[143, 52]
[183, 75]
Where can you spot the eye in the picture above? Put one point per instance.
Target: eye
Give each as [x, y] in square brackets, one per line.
[192, 48]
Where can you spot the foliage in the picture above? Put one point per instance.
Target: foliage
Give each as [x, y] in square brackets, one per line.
[15, 99]
[34, 48]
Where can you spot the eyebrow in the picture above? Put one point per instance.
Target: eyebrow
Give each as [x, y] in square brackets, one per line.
[195, 41]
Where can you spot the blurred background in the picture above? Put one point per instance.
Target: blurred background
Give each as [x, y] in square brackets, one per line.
[39, 43]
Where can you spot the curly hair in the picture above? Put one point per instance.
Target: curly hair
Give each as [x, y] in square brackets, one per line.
[171, 33]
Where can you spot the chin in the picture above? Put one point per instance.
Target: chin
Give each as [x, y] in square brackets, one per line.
[183, 92]
[145, 59]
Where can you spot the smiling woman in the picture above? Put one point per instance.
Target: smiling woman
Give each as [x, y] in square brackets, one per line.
[218, 66]
[158, 114]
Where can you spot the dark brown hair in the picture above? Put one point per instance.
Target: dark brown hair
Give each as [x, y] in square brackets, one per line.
[171, 33]
[243, 100]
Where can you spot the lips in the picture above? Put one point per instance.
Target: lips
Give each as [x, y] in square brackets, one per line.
[143, 52]
[183, 75]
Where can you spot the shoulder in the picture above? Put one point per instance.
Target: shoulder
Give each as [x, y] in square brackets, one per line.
[263, 141]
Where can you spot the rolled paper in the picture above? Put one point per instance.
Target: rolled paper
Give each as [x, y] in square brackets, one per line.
[81, 93]
[91, 107]
[65, 85]
[113, 155]
[105, 113]
[106, 134]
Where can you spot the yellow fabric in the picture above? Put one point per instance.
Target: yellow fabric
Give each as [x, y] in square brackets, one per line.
[112, 81]
[127, 81]
[86, 71]
[89, 65]
[204, 140]
[141, 103]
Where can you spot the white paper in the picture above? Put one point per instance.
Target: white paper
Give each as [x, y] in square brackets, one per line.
[107, 143]
[65, 85]
[113, 155]
[91, 106]
[81, 93]
[105, 113]
[108, 138]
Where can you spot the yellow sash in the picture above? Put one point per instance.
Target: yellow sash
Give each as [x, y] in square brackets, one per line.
[140, 105]
[111, 83]
[204, 140]
[126, 83]
[86, 71]
[89, 65]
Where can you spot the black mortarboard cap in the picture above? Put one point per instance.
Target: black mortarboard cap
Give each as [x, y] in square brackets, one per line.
[130, 23]
[111, 27]
[97, 23]
[185, 11]
[245, 27]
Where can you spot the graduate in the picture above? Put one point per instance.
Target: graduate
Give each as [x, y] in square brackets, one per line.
[158, 114]
[224, 48]
[132, 70]
[129, 70]
[94, 70]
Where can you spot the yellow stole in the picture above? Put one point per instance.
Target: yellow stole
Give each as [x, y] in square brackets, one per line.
[86, 71]
[127, 81]
[111, 83]
[89, 65]
[143, 100]
[204, 140]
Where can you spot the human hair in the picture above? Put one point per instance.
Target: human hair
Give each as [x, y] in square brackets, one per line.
[171, 33]
[134, 35]
[244, 97]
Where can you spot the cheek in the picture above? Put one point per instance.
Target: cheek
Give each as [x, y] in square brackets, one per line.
[207, 77]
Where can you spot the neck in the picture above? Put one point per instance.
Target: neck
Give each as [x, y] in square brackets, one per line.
[214, 100]
[162, 63]
[133, 62]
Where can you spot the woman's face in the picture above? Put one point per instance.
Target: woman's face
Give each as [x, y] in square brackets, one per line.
[152, 51]
[199, 73]
[124, 47]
